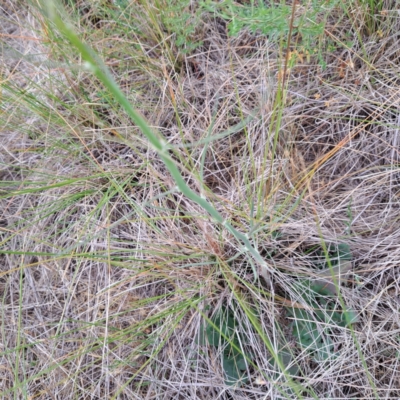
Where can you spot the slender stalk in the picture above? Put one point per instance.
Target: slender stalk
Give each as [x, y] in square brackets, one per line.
[94, 64]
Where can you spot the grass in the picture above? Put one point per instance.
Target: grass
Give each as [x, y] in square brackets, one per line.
[196, 206]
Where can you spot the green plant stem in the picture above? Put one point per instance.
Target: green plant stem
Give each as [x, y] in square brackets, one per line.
[98, 68]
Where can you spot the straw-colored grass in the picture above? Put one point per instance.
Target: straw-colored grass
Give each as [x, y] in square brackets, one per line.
[138, 203]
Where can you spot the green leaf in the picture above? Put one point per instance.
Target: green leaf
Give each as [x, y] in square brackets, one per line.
[213, 336]
[222, 332]
[310, 338]
[201, 336]
[233, 369]
[344, 253]
[224, 327]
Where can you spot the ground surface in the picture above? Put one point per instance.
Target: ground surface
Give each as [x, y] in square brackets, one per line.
[114, 284]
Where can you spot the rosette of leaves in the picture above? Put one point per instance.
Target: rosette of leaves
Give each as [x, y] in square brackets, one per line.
[312, 325]
[222, 333]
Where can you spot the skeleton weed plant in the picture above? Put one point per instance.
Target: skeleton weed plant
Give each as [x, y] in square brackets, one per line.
[314, 317]
[312, 325]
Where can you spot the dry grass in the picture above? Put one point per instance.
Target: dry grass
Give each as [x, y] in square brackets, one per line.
[108, 273]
